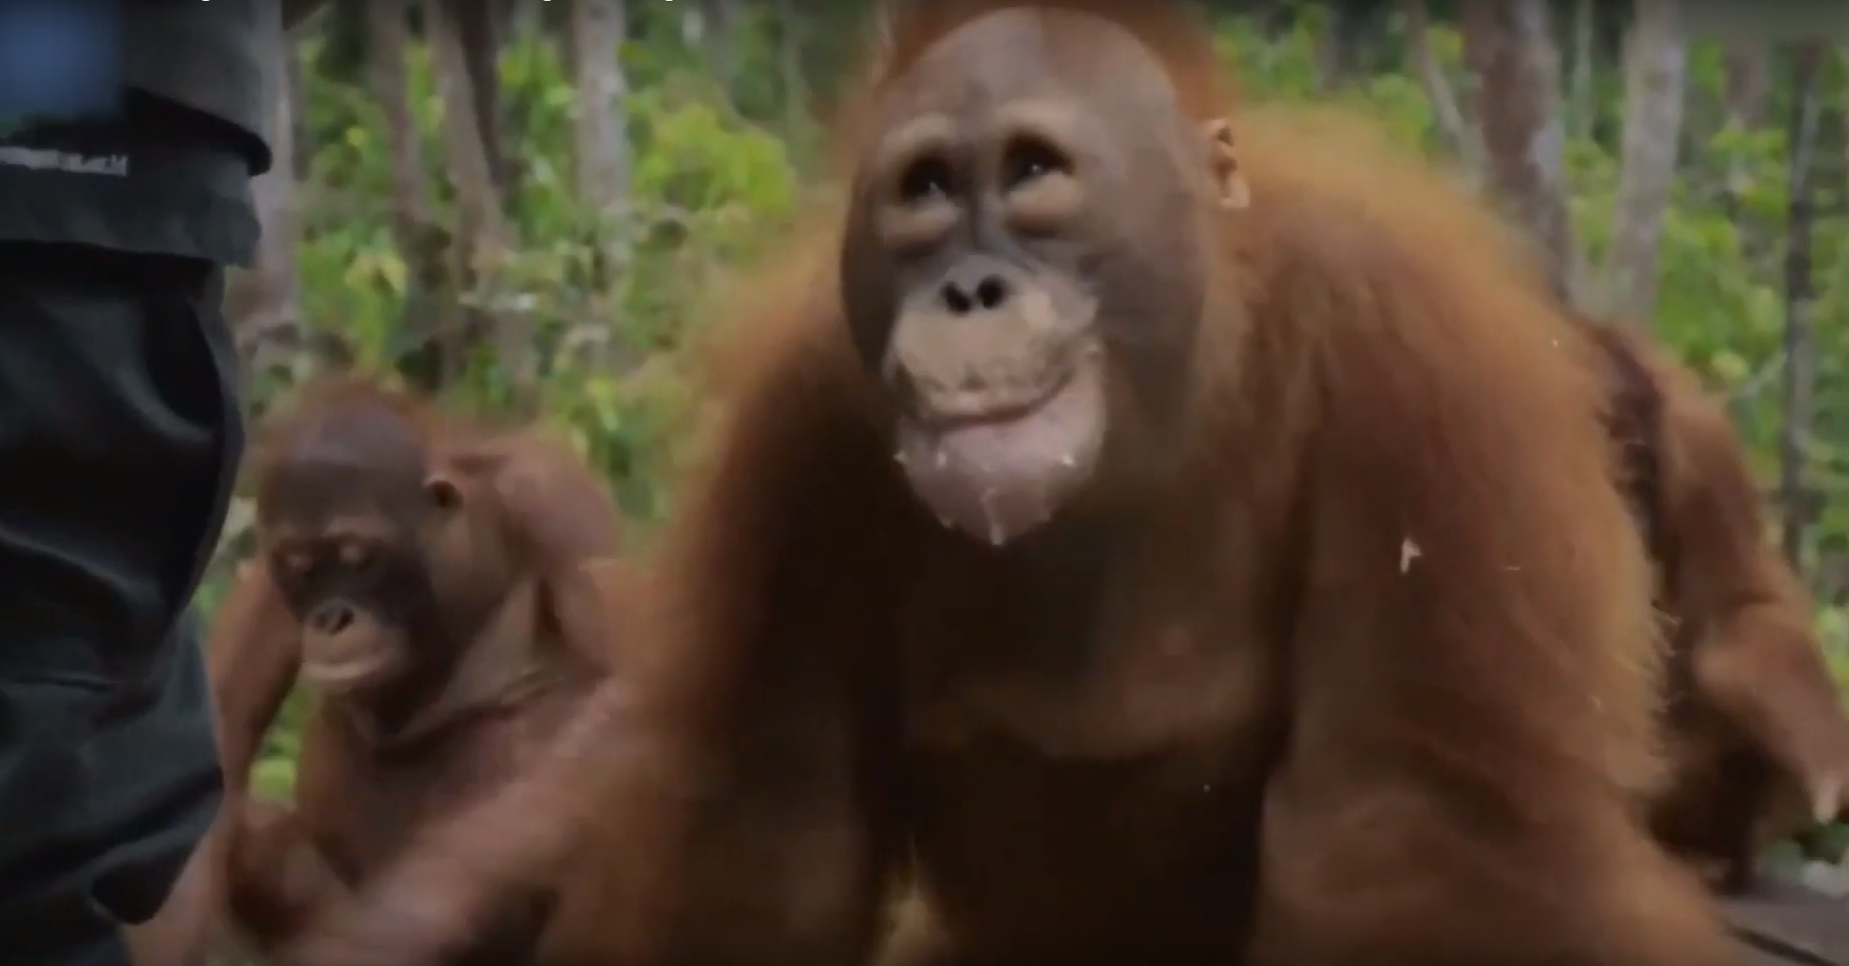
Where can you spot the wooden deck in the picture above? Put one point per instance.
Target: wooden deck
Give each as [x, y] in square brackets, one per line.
[1783, 923]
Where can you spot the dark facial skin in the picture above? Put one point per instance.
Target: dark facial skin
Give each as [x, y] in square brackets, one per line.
[1018, 278]
[345, 512]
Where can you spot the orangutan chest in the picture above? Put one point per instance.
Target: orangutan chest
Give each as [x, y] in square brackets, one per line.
[363, 805]
[1121, 674]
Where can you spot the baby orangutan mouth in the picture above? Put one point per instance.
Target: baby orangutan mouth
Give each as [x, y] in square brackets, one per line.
[996, 464]
[345, 649]
[355, 671]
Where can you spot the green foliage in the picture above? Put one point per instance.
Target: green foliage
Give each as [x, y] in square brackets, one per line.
[603, 297]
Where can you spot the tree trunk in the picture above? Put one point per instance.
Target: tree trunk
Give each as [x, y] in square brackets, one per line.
[431, 322]
[1656, 61]
[482, 227]
[1749, 87]
[482, 233]
[478, 24]
[1584, 111]
[266, 311]
[693, 25]
[1508, 44]
[1341, 50]
[723, 20]
[1466, 144]
[387, 36]
[790, 63]
[298, 113]
[1749, 83]
[1800, 367]
[597, 28]
[1831, 584]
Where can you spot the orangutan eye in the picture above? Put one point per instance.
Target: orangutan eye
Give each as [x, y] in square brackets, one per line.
[295, 562]
[358, 558]
[1029, 159]
[926, 178]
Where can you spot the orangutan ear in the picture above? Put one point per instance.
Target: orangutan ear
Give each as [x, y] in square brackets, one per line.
[1229, 183]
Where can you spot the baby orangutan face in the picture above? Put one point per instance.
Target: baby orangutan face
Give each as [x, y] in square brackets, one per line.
[344, 534]
[361, 593]
[1023, 266]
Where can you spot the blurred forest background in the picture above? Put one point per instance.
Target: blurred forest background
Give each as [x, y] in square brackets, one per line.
[525, 205]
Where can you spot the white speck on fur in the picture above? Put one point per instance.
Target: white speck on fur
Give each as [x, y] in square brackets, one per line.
[1409, 551]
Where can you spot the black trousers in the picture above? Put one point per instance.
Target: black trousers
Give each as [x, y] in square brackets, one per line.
[119, 441]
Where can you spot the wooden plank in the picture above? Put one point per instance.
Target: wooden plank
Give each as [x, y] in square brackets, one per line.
[1784, 923]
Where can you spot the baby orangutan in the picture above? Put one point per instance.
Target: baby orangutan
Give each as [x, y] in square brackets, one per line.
[1165, 539]
[447, 593]
[1758, 737]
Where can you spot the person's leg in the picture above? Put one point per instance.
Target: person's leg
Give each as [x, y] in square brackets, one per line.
[119, 439]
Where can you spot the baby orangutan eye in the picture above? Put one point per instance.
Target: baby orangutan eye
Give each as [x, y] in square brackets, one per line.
[357, 557]
[296, 562]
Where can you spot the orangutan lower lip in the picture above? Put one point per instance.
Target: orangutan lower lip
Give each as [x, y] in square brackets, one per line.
[1001, 475]
[948, 412]
[340, 672]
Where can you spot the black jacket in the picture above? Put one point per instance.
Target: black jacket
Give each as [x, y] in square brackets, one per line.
[170, 172]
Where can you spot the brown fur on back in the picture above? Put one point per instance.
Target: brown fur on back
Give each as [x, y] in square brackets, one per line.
[1635, 421]
[1754, 719]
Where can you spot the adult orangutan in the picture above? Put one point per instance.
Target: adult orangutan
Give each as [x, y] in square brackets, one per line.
[1172, 539]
